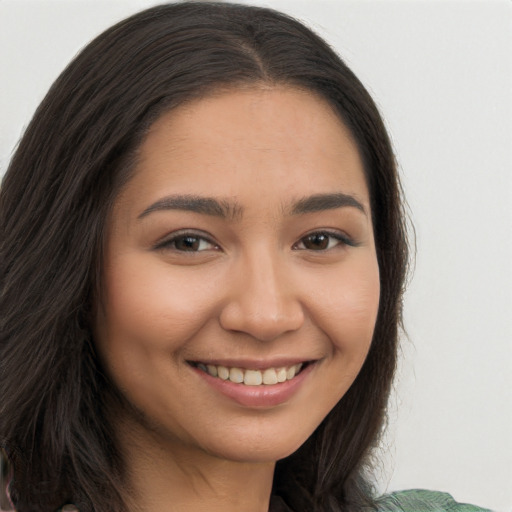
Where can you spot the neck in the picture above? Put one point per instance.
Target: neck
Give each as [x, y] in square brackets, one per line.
[172, 477]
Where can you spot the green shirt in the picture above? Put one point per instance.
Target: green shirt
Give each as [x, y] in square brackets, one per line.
[419, 500]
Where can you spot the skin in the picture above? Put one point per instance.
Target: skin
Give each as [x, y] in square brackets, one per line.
[256, 285]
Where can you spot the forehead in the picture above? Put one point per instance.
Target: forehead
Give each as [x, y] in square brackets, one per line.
[266, 142]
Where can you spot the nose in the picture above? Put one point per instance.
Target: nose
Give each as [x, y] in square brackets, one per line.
[262, 299]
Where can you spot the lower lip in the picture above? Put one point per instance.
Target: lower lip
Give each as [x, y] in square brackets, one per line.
[257, 396]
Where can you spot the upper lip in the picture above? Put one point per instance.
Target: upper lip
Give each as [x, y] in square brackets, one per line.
[253, 364]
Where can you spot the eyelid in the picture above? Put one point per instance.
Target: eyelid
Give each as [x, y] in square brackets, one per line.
[166, 241]
[341, 236]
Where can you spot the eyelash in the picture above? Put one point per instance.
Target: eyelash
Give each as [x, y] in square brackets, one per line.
[170, 243]
[341, 238]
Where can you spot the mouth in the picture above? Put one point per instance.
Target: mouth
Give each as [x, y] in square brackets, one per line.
[252, 377]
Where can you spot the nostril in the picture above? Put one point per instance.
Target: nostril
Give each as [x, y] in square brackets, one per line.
[264, 320]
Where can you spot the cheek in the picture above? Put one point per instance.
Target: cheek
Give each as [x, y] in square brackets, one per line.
[346, 309]
[150, 308]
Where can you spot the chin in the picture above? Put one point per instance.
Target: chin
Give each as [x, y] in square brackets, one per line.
[261, 445]
[257, 453]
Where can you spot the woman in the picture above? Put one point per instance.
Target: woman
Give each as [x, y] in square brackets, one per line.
[204, 256]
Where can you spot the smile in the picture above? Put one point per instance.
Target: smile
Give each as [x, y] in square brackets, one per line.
[249, 377]
[255, 384]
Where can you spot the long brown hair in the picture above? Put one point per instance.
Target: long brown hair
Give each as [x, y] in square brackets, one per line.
[69, 166]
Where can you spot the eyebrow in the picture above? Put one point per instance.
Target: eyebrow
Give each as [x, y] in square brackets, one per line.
[226, 209]
[198, 204]
[320, 202]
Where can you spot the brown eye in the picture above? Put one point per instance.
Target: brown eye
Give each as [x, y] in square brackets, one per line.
[316, 241]
[323, 241]
[187, 242]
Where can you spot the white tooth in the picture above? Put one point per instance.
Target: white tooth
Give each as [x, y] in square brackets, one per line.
[201, 366]
[223, 372]
[253, 378]
[212, 370]
[281, 374]
[270, 376]
[236, 375]
[290, 373]
[298, 368]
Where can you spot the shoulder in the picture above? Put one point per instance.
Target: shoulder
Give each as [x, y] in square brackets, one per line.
[419, 500]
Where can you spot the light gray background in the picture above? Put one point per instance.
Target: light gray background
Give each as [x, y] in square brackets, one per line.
[441, 72]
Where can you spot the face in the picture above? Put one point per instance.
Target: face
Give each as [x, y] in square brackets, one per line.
[240, 284]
